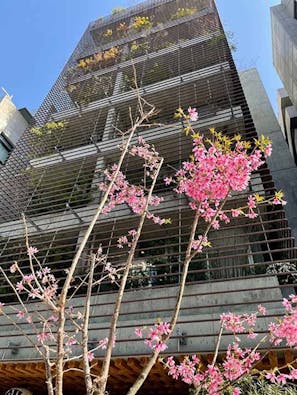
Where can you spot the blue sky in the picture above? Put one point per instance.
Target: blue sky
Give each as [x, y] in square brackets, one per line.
[38, 36]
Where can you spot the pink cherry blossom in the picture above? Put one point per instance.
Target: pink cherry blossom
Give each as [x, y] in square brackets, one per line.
[13, 268]
[70, 342]
[19, 286]
[28, 278]
[138, 332]
[155, 336]
[43, 336]
[32, 251]
[271, 376]
[261, 309]
[20, 314]
[168, 180]
[193, 114]
[282, 378]
[90, 356]
[267, 150]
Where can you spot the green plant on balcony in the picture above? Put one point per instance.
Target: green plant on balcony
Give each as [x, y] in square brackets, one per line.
[157, 72]
[221, 37]
[141, 23]
[107, 33]
[117, 10]
[122, 28]
[99, 59]
[128, 83]
[50, 130]
[164, 44]
[138, 49]
[181, 12]
[95, 88]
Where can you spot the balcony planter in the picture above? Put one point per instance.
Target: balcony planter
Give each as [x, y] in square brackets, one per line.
[51, 131]
[141, 23]
[99, 60]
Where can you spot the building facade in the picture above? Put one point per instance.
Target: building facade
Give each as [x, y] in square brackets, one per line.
[281, 164]
[181, 58]
[13, 123]
[284, 45]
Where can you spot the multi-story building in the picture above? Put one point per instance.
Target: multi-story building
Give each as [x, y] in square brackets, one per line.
[284, 44]
[181, 58]
[13, 123]
[281, 164]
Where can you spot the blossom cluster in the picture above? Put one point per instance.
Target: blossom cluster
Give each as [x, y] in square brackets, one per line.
[43, 286]
[214, 377]
[155, 336]
[122, 192]
[238, 362]
[218, 167]
[214, 171]
[286, 329]
[148, 153]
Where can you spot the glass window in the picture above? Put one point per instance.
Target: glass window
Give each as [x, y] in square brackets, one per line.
[295, 9]
[5, 149]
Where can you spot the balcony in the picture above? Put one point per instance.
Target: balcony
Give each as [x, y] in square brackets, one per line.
[182, 61]
[92, 89]
[72, 132]
[207, 93]
[146, 19]
[56, 187]
[231, 276]
[242, 249]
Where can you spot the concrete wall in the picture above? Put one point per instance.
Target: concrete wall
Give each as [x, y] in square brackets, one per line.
[12, 123]
[289, 7]
[284, 45]
[281, 163]
[197, 327]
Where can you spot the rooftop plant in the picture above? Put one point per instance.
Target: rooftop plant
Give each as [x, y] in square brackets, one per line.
[117, 10]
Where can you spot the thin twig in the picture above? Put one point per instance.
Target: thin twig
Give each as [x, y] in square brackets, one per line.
[102, 380]
[85, 330]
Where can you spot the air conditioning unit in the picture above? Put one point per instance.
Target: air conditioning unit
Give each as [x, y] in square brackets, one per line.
[18, 391]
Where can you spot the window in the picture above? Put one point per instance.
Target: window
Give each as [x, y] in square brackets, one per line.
[295, 9]
[5, 149]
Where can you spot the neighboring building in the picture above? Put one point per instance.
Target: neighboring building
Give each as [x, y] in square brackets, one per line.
[284, 45]
[183, 59]
[281, 163]
[13, 123]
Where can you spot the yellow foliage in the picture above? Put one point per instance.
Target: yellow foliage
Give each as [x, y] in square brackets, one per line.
[258, 198]
[48, 128]
[141, 22]
[99, 57]
[122, 27]
[82, 63]
[107, 33]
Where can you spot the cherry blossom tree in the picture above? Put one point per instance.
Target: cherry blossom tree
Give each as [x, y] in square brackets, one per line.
[219, 167]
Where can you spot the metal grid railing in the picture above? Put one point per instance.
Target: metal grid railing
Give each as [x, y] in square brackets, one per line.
[60, 196]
